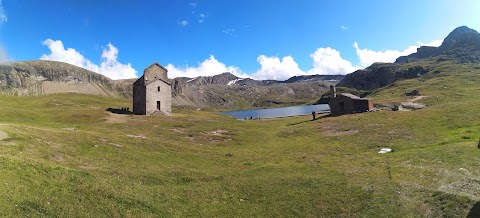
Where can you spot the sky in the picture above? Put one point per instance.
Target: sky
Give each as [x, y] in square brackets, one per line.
[260, 39]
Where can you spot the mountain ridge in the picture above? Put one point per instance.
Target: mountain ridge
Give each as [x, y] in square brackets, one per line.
[220, 91]
[462, 45]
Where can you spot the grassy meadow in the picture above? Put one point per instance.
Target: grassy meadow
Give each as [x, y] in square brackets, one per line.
[66, 156]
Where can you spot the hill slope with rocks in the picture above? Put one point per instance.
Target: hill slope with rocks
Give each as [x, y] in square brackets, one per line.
[462, 45]
[245, 93]
[380, 75]
[47, 77]
[220, 91]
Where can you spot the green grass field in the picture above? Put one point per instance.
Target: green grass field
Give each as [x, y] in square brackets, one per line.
[66, 156]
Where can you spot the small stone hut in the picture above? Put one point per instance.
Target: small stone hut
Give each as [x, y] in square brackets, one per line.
[152, 93]
[412, 93]
[346, 103]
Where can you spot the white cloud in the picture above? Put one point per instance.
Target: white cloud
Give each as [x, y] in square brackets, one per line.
[109, 65]
[328, 61]
[209, 67]
[3, 15]
[112, 68]
[274, 68]
[325, 61]
[434, 43]
[69, 55]
[193, 4]
[229, 31]
[368, 57]
[202, 18]
[183, 23]
[344, 27]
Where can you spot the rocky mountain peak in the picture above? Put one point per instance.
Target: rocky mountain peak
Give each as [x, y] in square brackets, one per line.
[461, 45]
[460, 37]
[220, 79]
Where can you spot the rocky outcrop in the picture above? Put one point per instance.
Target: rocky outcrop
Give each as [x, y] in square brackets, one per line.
[461, 37]
[461, 45]
[304, 78]
[380, 75]
[45, 77]
[221, 79]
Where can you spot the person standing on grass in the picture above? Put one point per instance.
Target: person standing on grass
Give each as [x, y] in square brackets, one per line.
[313, 115]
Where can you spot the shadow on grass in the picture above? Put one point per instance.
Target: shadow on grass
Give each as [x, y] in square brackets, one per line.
[475, 211]
[119, 110]
[318, 118]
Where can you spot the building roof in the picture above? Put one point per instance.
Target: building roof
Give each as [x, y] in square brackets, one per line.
[156, 64]
[167, 82]
[348, 95]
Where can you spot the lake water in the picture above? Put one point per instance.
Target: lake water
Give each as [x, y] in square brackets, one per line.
[279, 112]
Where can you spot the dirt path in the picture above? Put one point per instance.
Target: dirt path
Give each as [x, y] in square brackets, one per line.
[411, 103]
[418, 98]
[117, 118]
[3, 135]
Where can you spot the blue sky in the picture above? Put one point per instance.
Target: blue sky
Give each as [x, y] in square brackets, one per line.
[264, 39]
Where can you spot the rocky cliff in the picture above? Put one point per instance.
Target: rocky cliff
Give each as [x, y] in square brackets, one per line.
[46, 77]
[380, 75]
[462, 45]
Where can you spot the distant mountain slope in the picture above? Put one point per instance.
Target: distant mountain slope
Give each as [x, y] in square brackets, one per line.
[46, 77]
[462, 45]
[380, 75]
[220, 91]
[332, 78]
[245, 96]
[229, 91]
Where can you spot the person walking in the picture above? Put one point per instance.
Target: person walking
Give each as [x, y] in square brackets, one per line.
[313, 115]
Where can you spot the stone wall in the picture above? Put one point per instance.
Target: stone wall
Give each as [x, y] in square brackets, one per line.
[155, 71]
[152, 90]
[345, 105]
[164, 96]
[139, 96]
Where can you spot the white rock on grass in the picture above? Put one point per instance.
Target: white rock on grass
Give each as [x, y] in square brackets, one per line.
[385, 150]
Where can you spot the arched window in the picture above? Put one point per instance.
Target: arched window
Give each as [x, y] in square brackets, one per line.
[158, 88]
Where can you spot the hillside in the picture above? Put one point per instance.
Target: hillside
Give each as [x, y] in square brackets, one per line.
[380, 75]
[221, 91]
[47, 77]
[64, 155]
[241, 95]
[462, 45]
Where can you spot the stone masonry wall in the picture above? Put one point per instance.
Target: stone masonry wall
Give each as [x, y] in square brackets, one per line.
[155, 71]
[164, 96]
[139, 97]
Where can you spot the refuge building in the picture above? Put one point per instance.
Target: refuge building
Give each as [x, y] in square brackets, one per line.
[152, 93]
[412, 93]
[346, 103]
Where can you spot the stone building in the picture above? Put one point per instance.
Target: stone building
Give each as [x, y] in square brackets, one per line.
[152, 93]
[412, 93]
[346, 103]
